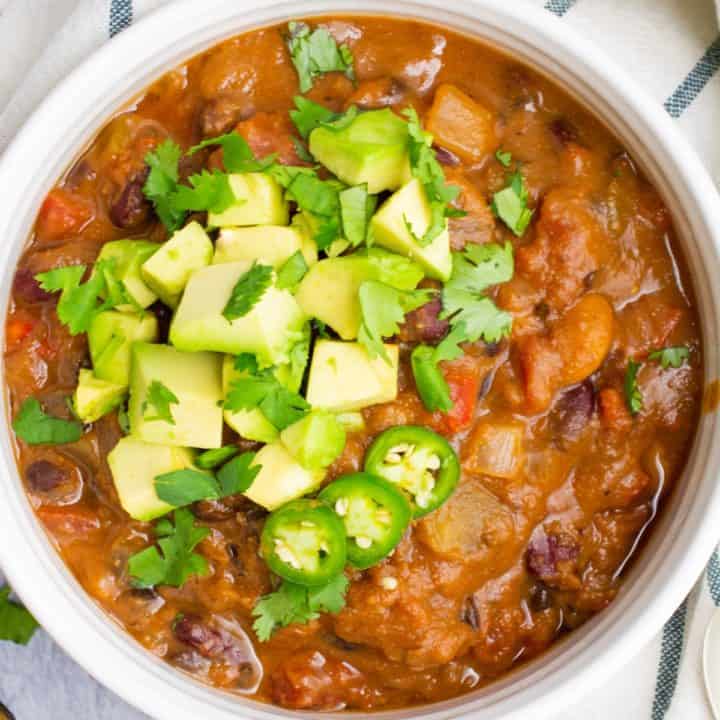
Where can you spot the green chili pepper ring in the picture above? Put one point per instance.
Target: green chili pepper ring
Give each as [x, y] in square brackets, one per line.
[375, 514]
[418, 461]
[304, 542]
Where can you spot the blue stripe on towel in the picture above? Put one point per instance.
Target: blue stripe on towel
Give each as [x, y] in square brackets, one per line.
[695, 81]
[121, 16]
[559, 7]
[673, 640]
[713, 577]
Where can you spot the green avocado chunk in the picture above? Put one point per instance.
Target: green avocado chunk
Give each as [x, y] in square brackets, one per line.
[94, 398]
[259, 200]
[134, 465]
[268, 244]
[329, 291]
[110, 337]
[372, 149]
[193, 379]
[168, 271]
[269, 330]
[410, 207]
[128, 257]
[316, 440]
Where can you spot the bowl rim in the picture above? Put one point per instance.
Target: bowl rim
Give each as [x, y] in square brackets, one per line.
[71, 114]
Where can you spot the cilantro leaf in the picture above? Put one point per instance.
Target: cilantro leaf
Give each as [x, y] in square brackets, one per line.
[670, 356]
[633, 396]
[177, 562]
[292, 603]
[17, 625]
[238, 157]
[315, 53]
[184, 487]
[510, 205]
[308, 115]
[301, 150]
[429, 379]
[209, 191]
[504, 157]
[162, 182]
[426, 168]
[237, 475]
[246, 362]
[248, 291]
[474, 270]
[210, 459]
[356, 209]
[280, 406]
[159, 397]
[292, 272]
[382, 309]
[34, 427]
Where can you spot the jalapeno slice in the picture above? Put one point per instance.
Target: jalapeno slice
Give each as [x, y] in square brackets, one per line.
[419, 462]
[304, 542]
[375, 514]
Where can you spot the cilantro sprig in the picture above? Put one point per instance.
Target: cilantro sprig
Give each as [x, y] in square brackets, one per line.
[383, 307]
[17, 625]
[159, 398]
[291, 272]
[34, 427]
[172, 561]
[511, 204]
[248, 291]
[292, 603]
[309, 115]
[315, 52]
[670, 356]
[426, 168]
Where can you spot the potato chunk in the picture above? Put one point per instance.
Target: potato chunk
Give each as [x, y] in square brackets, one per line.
[461, 125]
[495, 449]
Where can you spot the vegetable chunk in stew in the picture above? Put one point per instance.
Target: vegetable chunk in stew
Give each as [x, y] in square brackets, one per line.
[350, 364]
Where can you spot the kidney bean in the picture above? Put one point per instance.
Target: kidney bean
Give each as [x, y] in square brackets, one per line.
[445, 157]
[573, 411]
[424, 324]
[564, 131]
[221, 114]
[131, 207]
[550, 557]
[27, 288]
[43, 476]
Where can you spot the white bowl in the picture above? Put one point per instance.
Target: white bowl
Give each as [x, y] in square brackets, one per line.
[687, 530]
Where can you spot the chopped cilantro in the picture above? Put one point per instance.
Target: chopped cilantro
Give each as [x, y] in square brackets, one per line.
[34, 427]
[633, 396]
[246, 362]
[238, 157]
[248, 291]
[383, 308]
[429, 380]
[315, 52]
[510, 205]
[504, 158]
[429, 172]
[291, 272]
[177, 562]
[159, 398]
[237, 476]
[670, 356]
[210, 459]
[162, 182]
[302, 151]
[209, 191]
[356, 209]
[308, 115]
[17, 625]
[263, 390]
[474, 270]
[292, 603]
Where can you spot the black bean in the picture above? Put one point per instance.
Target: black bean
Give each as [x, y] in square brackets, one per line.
[131, 208]
[164, 316]
[43, 476]
[540, 597]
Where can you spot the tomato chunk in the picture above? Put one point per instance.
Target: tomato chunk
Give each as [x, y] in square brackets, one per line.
[463, 379]
[61, 215]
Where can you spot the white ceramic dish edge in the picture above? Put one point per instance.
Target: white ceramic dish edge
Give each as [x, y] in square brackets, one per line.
[685, 536]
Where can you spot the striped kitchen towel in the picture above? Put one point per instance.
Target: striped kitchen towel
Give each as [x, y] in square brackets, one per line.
[672, 47]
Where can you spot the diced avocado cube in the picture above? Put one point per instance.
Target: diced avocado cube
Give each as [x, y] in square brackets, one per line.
[110, 337]
[268, 244]
[372, 149]
[329, 290]
[390, 230]
[309, 225]
[94, 398]
[291, 374]
[352, 421]
[269, 330]
[195, 379]
[282, 478]
[259, 200]
[343, 377]
[167, 272]
[134, 465]
[250, 424]
[316, 440]
[128, 257]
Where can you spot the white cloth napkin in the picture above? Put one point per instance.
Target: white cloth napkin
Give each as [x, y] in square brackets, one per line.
[672, 47]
